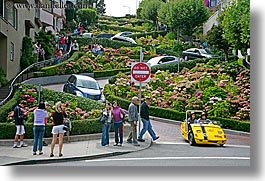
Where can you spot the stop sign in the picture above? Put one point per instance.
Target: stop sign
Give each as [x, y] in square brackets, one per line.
[140, 72]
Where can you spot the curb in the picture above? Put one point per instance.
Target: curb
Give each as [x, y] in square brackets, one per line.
[74, 158]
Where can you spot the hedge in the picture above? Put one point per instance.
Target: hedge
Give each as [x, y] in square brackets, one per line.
[175, 115]
[78, 127]
[107, 73]
[117, 28]
[9, 106]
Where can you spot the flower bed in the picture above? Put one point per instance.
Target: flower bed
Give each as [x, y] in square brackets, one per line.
[206, 86]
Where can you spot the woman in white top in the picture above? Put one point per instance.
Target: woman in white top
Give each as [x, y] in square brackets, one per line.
[40, 118]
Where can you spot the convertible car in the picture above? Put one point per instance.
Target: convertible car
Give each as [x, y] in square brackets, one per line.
[202, 132]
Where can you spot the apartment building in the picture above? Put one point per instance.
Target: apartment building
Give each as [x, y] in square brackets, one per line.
[20, 18]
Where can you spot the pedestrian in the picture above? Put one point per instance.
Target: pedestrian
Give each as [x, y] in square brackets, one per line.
[19, 116]
[36, 48]
[75, 47]
[147, 126]
[58, 128]
[133, 119]
[40, 119]
[81, 29]
[62, 43]
[41, 53]
[59, 53]
[68, 43]
[118, 117]
[94, 49]
[106, 125]
[68, 124]
[44, 143]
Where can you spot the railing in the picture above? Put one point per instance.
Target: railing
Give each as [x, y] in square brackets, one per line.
[27, 73]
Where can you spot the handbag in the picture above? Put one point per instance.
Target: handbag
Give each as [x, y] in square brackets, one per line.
[103, 118]
[121, 115]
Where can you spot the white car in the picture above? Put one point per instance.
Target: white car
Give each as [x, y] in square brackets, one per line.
[161, 60]
[125, 33]
[87, 35]
[124, 39]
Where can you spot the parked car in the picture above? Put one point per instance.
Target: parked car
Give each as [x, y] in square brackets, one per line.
[85, 86]
[194, 53]
[161, 60]
[124, 33]
[105, 35]
[87, 35]
[124, 39]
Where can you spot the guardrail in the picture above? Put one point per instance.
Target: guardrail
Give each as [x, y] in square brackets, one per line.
[27, 73]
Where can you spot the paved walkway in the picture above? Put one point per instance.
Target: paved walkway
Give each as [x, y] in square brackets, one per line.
[77, 149]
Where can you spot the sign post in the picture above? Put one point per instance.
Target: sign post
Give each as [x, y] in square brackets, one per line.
[39, 89]
[140, 73]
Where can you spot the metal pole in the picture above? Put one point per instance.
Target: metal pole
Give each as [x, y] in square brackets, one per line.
[178, 63]
[39, 89]
[140, 96]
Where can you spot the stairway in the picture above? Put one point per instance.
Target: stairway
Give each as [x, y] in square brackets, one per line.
[4, 91]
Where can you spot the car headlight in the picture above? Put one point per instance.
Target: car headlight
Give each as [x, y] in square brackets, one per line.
[79, 94]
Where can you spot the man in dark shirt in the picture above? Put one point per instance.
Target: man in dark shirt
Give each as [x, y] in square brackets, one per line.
[19, 117]
[144, 113]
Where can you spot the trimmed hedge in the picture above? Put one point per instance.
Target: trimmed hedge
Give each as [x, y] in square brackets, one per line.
[107, 73]
[175, 115]
[117, 28]
[154, 34]
[9, 106]
[79, 127]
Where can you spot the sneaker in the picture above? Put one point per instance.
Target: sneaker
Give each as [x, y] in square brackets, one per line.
[119, 144]
[24, 145]
[16, 146]
[156, 138]
[44, 143]
[136, 144]
[116, 144]
[141, 140]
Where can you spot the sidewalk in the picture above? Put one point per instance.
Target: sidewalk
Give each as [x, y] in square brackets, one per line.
[73, 151]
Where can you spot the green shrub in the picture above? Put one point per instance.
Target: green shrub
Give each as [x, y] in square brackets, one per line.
[107, 73]
[3, 80]
[117, 28]
[171, 36]
[28, 57]
[9, 106]
[154, 34]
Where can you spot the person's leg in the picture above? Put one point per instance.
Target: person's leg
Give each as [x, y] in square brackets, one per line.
[107, 132]
[129, 139]
[120, 132]
[103, 137]
[15, 145]
[60, 143]
[41, 134]
[134, 134]
[54, 138]
[151, 131]
[35, 142]
[116, 133]
[145, 127]
[22, 132]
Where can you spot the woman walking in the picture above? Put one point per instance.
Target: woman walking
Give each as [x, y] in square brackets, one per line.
[40, 119]
[58, 125]
[118, 116]
[106, 126]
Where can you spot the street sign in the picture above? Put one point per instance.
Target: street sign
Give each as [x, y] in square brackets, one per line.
[140, 72]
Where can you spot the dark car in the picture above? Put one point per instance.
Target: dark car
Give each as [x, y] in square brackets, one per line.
[85, 86]
[194, 53]
[105, 35]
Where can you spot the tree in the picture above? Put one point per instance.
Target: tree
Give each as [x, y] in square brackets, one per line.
[46, 39]
[236, 24]
[87, 16]
[149, 10]
[217, 40]
[101, 7]
[27, 57]
[70, 11]
[183, 15]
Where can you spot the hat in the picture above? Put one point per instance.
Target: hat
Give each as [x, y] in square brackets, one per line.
[147, 98]
[135, 98]
[191, 113]
[203, 113]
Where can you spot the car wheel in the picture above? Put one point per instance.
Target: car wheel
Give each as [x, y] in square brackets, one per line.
[221, 145]
[186, 58]
[191, 139]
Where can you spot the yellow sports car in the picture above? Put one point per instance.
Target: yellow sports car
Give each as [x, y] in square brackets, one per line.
[201, 131]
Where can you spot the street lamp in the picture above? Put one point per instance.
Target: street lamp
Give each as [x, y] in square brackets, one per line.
[128, 8]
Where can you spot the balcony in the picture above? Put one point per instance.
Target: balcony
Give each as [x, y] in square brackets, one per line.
[46, 18]
[57, 12]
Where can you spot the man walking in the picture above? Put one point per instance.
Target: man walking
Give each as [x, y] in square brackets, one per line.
[133, 118]
[146, 121]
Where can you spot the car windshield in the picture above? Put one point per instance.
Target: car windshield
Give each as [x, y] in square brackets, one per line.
[87, 84]
[205, 51]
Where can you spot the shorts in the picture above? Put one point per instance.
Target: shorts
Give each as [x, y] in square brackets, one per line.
[20, 129]
[57, 129]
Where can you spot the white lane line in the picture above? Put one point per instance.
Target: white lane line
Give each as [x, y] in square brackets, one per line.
[226, 145]
[171, 158]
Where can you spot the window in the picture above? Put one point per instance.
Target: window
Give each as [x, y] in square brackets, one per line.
[12, 52]
[2, 8]
[166, 59]
[71, 79]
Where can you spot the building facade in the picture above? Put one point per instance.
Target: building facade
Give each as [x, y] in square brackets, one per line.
[20, 18]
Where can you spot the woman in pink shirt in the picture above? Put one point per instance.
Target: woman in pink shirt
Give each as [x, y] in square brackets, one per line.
[118, 116]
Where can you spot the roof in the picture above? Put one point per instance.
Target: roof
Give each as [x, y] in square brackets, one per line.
[84, 77]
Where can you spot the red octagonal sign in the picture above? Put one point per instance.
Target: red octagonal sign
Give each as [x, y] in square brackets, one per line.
[140, 72]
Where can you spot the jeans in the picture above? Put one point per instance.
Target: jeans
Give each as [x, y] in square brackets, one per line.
[118, 131]
[38, 136]
[105, 134]
[147, 127]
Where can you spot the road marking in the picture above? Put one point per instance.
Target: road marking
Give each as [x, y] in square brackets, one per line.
[171, 158]
[226, 145]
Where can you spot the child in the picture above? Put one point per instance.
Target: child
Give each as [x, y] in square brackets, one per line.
[67, 123]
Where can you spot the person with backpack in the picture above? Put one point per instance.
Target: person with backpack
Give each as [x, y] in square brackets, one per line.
[68, 124]
[58, 128]
[118, 116]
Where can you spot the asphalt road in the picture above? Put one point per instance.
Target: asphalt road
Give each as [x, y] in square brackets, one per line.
[172, 150]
